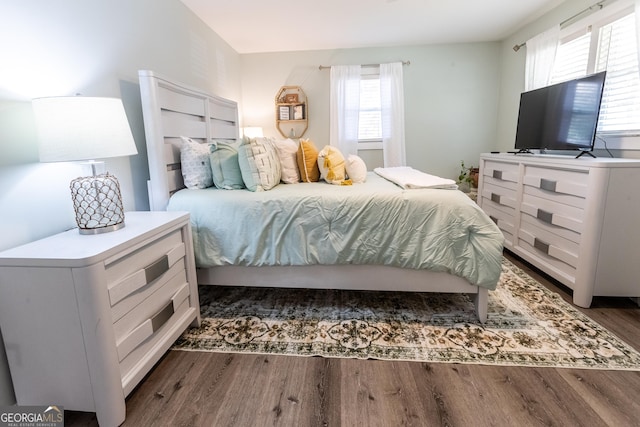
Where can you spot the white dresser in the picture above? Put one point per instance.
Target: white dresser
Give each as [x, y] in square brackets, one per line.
[85, 317]
[578, 220]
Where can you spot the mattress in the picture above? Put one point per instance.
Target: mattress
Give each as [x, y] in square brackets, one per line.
[376, 222]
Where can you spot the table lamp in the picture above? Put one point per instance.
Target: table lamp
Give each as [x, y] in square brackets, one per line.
[82, 128]
[252, 132]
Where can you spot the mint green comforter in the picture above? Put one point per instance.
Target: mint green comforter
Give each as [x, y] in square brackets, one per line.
[376, 222]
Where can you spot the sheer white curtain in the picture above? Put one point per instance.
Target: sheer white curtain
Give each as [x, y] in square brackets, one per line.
[637, 12]
[344, 108]
[392, 103]
[541, 53]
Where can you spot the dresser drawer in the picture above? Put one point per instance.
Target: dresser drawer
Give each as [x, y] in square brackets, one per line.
[555, 250]
[563, 220]
[503, 220]
[499, 197]
[501, 174]
[568, 187]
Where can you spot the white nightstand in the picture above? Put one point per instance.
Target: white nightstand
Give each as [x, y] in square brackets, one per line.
[85, 317]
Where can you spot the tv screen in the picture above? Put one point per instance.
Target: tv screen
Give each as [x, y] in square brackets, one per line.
[563, 116]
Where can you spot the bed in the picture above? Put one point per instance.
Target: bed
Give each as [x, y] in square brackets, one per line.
[369, 236]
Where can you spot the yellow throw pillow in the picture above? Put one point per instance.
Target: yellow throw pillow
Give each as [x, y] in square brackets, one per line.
[307, 157]
[332, 167]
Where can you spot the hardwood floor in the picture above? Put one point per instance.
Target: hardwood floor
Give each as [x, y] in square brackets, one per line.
[214, 389]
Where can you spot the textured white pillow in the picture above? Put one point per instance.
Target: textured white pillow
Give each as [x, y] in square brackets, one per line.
[196, 168]
[356, 169]
[287, 152]
[259, 164]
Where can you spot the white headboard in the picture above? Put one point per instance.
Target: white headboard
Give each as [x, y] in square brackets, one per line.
[172, 110]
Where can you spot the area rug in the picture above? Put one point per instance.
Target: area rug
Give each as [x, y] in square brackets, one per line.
[528, 325]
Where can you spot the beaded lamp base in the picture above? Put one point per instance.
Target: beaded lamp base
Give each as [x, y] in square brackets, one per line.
[98, 204]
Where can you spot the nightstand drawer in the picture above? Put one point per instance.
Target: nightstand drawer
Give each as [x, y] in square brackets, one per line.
[133, 300]
[137, 268]
[155, 345]
[139, 324]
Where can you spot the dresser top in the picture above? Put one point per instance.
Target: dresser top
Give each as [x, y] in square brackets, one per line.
[564, 160]
[72, 249]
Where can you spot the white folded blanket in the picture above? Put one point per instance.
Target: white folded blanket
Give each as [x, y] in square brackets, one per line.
[407, 177]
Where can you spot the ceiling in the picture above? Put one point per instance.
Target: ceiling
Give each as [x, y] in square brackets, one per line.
[252, 26]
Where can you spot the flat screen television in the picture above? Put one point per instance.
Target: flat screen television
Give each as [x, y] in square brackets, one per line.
[563, 116]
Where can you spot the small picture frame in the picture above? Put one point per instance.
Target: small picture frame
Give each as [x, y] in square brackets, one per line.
[298, 112]
[291, 98]
[283, 113]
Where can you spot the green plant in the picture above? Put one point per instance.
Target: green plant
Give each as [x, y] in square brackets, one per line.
[465, 173]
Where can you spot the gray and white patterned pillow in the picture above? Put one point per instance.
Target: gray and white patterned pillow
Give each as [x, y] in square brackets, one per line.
[259, 164]
[196, 167]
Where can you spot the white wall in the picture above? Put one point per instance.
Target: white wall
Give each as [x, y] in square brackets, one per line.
[451, 96]
[64, 47]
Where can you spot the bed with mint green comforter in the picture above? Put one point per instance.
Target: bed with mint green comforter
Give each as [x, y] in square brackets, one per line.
[375, 222]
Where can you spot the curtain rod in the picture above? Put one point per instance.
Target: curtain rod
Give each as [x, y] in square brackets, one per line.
[599, 5]
[324, 67]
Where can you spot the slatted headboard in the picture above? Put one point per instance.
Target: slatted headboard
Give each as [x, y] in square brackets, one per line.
[172, 110]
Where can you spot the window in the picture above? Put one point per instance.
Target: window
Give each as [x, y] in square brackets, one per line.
[370, 114]
[610, 44]
[370, 118]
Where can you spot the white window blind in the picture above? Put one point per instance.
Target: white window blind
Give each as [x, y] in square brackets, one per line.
[609, 45]
[370, 121]
[572, 59]
[617, 53]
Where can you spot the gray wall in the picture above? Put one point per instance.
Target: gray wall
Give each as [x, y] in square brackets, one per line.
[451, 96]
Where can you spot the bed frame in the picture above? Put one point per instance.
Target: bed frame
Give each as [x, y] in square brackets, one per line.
[172, 110]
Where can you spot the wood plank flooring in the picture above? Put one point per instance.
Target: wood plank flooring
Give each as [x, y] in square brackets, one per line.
[215, 389]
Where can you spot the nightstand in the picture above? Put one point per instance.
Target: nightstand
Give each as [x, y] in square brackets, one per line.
[85, 317]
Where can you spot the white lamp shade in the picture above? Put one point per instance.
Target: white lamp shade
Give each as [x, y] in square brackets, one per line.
[252, 132]
[82, 128]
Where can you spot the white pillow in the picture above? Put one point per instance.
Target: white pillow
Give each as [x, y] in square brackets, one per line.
[196, 168]
[356, 169]
[287, 152]
[331, 164]
[259, 164]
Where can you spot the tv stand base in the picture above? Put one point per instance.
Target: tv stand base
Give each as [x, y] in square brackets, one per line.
[582, 153]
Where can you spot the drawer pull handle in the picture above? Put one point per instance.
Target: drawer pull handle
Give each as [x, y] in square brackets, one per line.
[161, 317]
[495, 198]
[494, 219]
[156, 269]
[545, 216]
[497, 174]
[540, 245]
[547, 184]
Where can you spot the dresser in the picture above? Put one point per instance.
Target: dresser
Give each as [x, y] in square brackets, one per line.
[85, 317]
[575, 219]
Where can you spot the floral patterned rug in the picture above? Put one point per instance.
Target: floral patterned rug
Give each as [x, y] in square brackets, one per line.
[528, 325]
